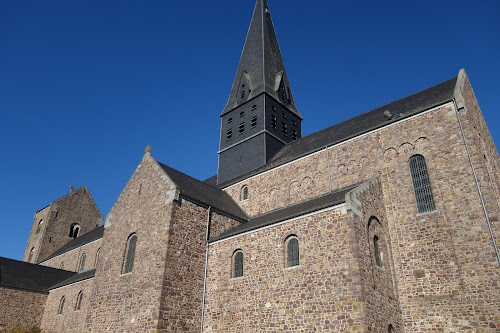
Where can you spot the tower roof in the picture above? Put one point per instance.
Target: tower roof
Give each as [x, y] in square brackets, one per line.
[261, 65]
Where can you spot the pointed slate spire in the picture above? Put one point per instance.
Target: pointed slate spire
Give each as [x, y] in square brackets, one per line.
[261, 68]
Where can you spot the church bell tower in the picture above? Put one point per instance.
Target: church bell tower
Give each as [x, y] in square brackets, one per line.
[260, 116]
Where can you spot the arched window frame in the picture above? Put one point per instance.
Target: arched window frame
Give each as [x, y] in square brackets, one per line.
[244, 193]
[74, 230]
[237, 264]
[39, 227]
[128, 263]
[97, 257]
[81, 266]
[421, 184]
[292, 251]
[61, 306]
[79, 299]
[30, 257]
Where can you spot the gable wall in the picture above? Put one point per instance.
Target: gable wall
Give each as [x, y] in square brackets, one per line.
[71, 259]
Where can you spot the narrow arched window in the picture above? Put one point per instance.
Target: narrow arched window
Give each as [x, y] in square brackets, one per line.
[390, 329]
[421, 184]
[82, 262]
[31, 254]
[97, 257]
[61, 306]
[79, 299]
[292, 252]
[39, 227]
[62, 265]
[238, 264]
[376, 250]
[244, 193]
[130, 254]
[74, 230]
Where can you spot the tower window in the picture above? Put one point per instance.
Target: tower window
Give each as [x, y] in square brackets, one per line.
[254, 107]
[242, 95]
[39, 227]
[283, 115]
[421, 184]
[130, 254]
[61, 306]
[62, 265]
[273, 122]
[79, 299]
[242, 113]
[390, 329]
[238, 264]
[376, 250]
[284, 130]
[254, 122]
[273, 107]
[230, 120]
[97, 257]
[294, 123]
[292, 251]
[241, 128]
[244, 193]
[229, 134]
[82, 262]
[31, 254]
[294, 135]
[74, 229]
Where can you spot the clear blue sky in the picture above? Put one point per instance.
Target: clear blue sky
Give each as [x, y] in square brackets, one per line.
[86, 85]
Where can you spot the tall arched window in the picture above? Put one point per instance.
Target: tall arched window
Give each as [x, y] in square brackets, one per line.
[244, 193]
[97, 257]
[31, 254]
[292, 251]
[376, 249]
[79, 299]
[130, 254]
[61, 306]
[238, 264]
[74, 230]
[82, 262]
[39, 227]
[421, 184]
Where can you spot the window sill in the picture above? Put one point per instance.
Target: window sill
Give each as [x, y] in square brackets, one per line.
[244, 200]
[125, 274]
[291, 267]
[237, 278]
[380, 268]
[427, 213]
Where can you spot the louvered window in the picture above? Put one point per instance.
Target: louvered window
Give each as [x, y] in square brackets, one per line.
[238, 264]
[292, 249]
[254, 122]
[273, 122]
[130, 255]
[421, 184]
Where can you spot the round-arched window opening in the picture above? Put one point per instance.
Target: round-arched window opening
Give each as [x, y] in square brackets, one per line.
[244, 193]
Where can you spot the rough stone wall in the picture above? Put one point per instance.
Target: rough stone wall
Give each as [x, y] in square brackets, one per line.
[220, 223]
[378, 282]
[131, 302]
[323, 293]
[35, 238]
[71, 320]
[71, 259]
[75, 207]
[20, 309]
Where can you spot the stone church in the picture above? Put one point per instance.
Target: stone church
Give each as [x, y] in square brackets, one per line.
[385, 222]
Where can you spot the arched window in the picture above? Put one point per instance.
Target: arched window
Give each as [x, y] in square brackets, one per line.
[292, 251]
[82, 262]
[421, 184]
[97, 257]
[376, 249]
[74, 230]
[244, 193]
[238, 264]
[31, 254]
[78, 304]
[61, 306]
[39, 227]
[130, 254]
[390, 329]
[62, 265]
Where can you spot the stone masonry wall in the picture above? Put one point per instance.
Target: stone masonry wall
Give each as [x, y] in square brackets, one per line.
[20, 309]
[323, 293]
[36, 235]
[185, 266]
[72, 259]
[131, 302]
[71, 320]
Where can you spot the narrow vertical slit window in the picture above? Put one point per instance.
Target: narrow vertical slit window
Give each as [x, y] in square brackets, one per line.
[421, 184]
[244, 193]
[39, 227]
[294, 135]
[82, 262]
[376, 249]
[61, 306]
[79, 299]
[31, 254]
[229, 134]
[130, 254]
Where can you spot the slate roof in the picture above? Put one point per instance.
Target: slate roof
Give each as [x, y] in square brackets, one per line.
[80, 276]
[286, 213]
[77, 242]
[366, 122]
[23, 275]
[201, 192]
